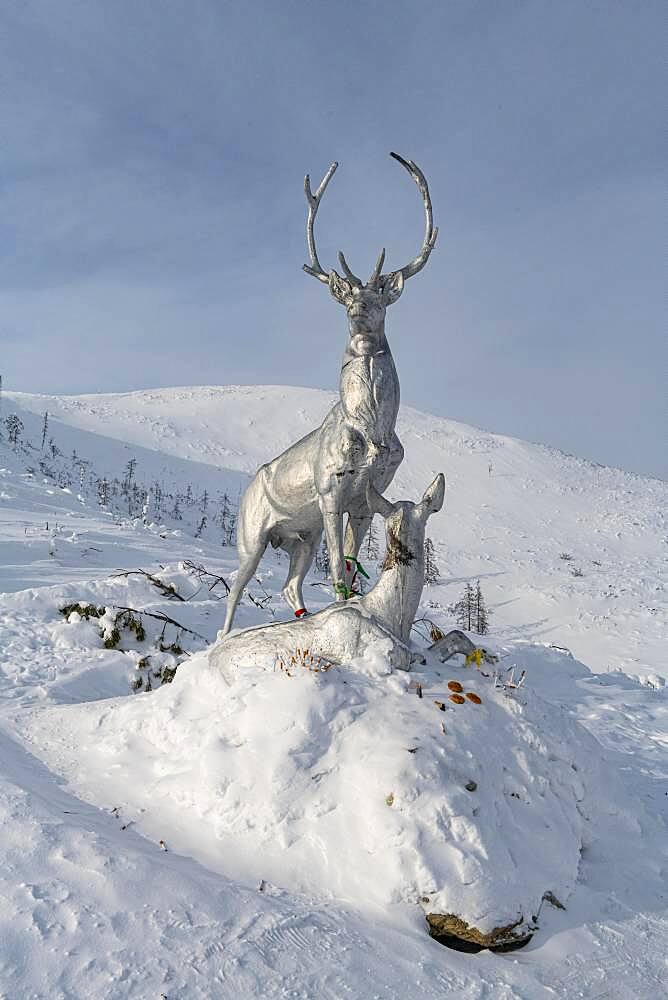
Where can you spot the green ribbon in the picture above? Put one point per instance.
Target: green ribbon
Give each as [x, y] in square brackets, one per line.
[358, 566]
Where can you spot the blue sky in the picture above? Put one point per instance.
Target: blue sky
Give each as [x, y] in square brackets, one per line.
[152, 210]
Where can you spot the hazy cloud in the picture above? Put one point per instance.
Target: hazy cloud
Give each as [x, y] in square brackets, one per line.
[152, 212]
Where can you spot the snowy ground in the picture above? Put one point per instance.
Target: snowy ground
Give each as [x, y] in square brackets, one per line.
[93, 776]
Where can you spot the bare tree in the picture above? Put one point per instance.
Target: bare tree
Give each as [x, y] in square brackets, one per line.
[45, 426]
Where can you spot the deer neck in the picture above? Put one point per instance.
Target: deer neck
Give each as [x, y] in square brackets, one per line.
[395, 598]
[369, 385]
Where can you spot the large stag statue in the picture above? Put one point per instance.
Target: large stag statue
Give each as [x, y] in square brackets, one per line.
[326, 474]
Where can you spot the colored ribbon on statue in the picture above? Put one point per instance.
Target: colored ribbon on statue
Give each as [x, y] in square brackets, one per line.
[358, 566]
[340, 587]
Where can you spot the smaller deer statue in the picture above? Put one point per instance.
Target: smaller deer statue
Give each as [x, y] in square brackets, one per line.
[343, 631]
[317, 480]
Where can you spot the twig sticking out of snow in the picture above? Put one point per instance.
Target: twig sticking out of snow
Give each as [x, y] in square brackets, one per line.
[164, 618]
[168, 589]
[303, 658]
[265, 602]
[204, 575]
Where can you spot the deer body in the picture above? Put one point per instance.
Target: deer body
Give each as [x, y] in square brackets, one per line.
[311, 485]
[342, 632]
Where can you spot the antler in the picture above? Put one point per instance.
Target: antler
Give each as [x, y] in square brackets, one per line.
[313, 203]
[348, 273]
[315, 268]
[430, 233]
[375, 274]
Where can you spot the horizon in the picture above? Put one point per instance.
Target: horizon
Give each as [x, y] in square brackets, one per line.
[283, 385]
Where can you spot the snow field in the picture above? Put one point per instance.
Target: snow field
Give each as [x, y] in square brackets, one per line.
[301, 834]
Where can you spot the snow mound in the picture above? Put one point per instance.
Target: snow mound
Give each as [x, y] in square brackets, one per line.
[343, 782]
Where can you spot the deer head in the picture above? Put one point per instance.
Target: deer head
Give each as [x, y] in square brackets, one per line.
[406, 522]
[366, 303]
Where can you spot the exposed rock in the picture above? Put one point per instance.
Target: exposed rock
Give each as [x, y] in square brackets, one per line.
[454, 642]
[451, 930]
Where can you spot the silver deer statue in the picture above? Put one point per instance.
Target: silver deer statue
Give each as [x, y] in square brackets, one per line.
[326, 474]
[342, 632]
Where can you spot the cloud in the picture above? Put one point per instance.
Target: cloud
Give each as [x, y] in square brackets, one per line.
[153, 213]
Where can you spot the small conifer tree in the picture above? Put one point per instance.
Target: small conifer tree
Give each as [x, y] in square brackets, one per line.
[471, 611]
[464, 609]
[224, 517]
[14, 426]
[481, 616]
[128, 482]
[232, 530]
[103, 492]
[322, 559]
[431, 571]
[370, 548]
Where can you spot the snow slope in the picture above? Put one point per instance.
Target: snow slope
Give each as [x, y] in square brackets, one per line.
[93, 777]
[508, 528]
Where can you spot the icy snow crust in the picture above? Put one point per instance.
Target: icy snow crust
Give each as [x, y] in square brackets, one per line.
[299, 832]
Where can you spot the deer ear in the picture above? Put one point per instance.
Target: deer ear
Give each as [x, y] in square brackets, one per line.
[339, 287]
[377, 503]
[393, 288]
[434, 495]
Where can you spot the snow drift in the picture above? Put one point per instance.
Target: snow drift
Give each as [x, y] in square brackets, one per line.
[343, 782]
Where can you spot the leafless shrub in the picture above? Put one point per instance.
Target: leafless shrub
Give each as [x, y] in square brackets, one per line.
[290, 663]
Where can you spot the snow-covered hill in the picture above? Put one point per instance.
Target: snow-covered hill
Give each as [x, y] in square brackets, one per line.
[122, 865]
[513, 509]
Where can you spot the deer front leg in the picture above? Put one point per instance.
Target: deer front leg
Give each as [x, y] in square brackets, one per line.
[341, 454]
[333, 523]
[356, 529]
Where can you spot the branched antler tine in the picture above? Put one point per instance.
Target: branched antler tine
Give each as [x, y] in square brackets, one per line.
[313, 200]
[346, 270]
[430, 232]
[373, 280]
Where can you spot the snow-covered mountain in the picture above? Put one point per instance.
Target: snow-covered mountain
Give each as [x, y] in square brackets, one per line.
[114, 884]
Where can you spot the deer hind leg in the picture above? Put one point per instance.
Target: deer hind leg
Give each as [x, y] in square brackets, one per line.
[302, 554]
[247, 566]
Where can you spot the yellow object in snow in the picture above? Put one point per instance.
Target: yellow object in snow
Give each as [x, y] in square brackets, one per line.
[475, 657]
